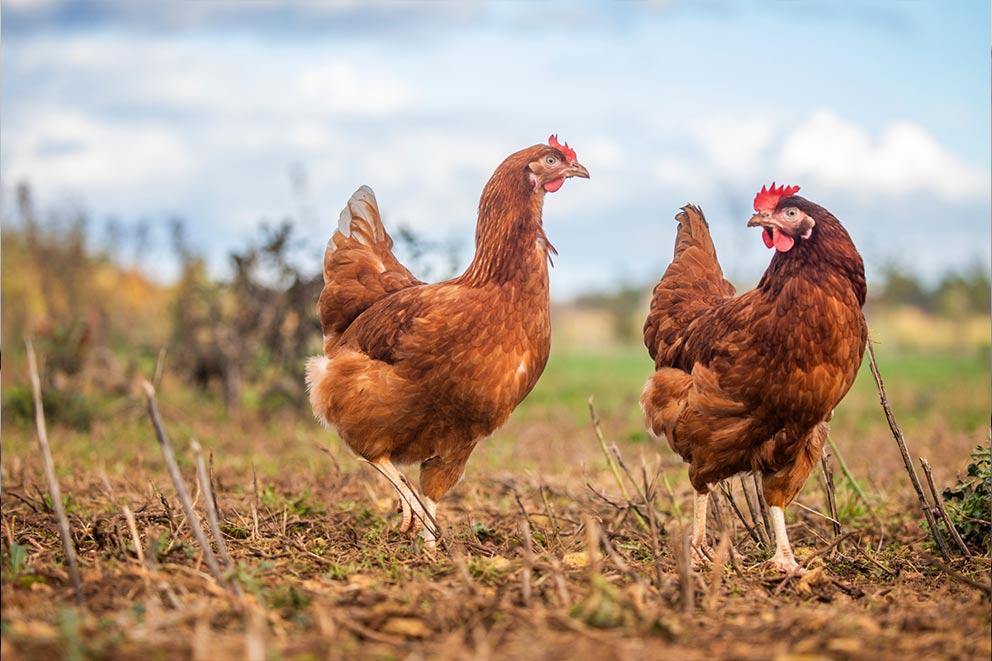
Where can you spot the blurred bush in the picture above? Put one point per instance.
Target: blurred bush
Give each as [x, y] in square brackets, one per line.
[67, 408]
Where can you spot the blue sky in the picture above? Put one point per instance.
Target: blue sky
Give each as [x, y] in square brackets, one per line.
[879, 110]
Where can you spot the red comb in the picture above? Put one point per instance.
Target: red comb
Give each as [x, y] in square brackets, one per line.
[567, 151]
[767, 198]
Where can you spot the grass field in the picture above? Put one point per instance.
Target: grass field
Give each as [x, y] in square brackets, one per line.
[323, 573]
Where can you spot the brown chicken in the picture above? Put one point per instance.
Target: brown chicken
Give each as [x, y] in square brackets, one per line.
[418, 373]
[748, 383]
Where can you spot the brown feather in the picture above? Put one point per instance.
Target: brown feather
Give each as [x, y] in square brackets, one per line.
[747, 382]
[420, 372]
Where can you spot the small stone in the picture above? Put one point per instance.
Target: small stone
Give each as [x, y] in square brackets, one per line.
[408, 627]
[577, 560]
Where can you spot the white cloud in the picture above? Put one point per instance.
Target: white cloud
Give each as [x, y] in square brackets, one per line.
[31, 5]
[336, 87]
[903, 159]
[822, 150]
[733, 144]
[74, 152]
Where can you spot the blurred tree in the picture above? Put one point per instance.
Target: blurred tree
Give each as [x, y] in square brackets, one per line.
[428, 260]
[968, 291]
[900, 287]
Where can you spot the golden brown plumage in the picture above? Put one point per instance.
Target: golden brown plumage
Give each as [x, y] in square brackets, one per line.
[747, 383]
[418, 373]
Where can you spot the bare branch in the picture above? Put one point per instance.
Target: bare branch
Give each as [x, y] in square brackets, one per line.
[597, 429]
[180, 485]
[53, 483]
[828, 487]
[938, 503]
[904, 451]
[208, 497]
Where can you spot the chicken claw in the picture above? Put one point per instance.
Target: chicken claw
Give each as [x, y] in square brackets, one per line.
[408, 501]
[787, 565]
[783, 560]
[406, 514]
[702, 555]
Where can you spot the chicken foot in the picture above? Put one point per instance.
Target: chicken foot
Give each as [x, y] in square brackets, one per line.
[417, 512]
[698, 540]
[783, 560]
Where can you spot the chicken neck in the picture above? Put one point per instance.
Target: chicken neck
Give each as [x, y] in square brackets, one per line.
[510, 244]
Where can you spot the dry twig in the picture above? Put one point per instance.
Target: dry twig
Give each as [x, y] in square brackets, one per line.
[597, 429]
[904, 451]
[716, 571]
[961, 578]
[938, 503]
[528, 561]
[211, 504]
[687, 583]
[752, 507]
[828, 487]
[855, 486]
[180, 485]
[725, 489]
[53, 483]
[759, 491]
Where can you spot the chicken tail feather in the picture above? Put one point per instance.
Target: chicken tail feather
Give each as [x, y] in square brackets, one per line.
[359, 266]
[692, 284]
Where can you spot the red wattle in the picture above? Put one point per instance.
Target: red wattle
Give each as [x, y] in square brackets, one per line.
[783, 242]
[554, 184]
[766, 236]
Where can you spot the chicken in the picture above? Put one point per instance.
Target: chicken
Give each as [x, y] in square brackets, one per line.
[749, 382]
[419, 373]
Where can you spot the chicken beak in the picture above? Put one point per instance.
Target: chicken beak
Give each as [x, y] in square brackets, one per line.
[761, 220]
[576, 169]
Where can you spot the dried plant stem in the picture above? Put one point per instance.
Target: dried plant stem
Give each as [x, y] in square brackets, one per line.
[828, 487]
[255, 503]
[211, 505]
[655, 547]
[740, 515]
[617, 560]
[687, 584]
[716, 571]
[938, 503]
[180, 485]
[53, 483]
[159, 366]
[255, 634]
[562, 587]
[812, 511]
[671, 497]
[904, 451]
[592, 544]
[961, 578]
[752, 508]
[855, 486]
[132, 526]
[759, 491]
[527, 580]
[597, 429]
[550, 513]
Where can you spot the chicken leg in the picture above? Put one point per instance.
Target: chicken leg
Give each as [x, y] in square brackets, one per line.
[411, 511]
[783, 560]
[698, 540]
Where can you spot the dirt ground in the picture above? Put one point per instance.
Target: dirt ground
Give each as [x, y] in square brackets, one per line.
[320, 571]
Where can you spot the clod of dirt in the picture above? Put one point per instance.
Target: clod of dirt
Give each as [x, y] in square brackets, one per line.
[576, 560]
[408, 627]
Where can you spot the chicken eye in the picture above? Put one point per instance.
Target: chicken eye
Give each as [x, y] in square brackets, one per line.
[792, 213]
[551, 160]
